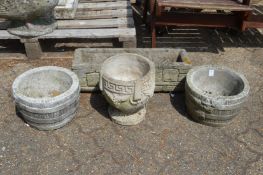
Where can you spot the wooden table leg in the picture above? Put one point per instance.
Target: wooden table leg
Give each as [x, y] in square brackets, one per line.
[32, 48]
[153, 30]
[245, 16]
[153, 27]
[145, 10]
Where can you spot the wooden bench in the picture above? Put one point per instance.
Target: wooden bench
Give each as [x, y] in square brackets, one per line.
[86, 19]
[225, 13]
[230, 5]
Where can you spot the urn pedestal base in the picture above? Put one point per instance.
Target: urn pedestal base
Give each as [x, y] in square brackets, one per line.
[37, 27]
[126, 119]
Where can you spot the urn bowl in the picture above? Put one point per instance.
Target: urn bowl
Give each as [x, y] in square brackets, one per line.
[127, 81]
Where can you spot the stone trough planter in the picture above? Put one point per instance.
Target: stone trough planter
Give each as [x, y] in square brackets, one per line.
[215, 94]
[127, 81]
[47, 97]
[171, 66]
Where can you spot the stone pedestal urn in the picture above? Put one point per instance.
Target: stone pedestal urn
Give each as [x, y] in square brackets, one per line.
[30, 18]
[127, 81]
[47, 98]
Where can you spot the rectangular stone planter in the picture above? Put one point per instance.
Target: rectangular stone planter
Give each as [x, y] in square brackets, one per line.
[171, 65]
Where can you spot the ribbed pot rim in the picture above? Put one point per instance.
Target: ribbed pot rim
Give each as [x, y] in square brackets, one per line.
[228, 99]
[150, 63]
[47, 100]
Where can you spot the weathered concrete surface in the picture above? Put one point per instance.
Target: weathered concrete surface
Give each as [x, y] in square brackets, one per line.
[46, 97]
[170, 68]
[167, 142]
[127, 82]
[215, 94]
[23, 12]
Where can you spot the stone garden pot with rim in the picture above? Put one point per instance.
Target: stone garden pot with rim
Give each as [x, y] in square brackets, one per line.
[215, 94]
[127, 81]
[47, 97]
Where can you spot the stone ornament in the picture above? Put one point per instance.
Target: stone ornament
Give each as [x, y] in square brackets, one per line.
[127, 81]
[215, 94]
[47, 97]
[29, 18]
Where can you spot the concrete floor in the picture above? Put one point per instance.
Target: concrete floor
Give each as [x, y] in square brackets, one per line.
[167, 142]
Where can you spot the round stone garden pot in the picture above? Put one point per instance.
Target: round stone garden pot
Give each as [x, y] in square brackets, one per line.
[127, 81]
[30, 18]
[47, 98]
[215, 94]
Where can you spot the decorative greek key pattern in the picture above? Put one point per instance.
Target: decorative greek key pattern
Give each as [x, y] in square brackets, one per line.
[148, 85]
[116, 88]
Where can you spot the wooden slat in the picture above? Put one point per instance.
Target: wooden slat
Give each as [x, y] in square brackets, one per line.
[103, 14]
[199, 20]
[124, 20]
[91, 33]
[97, 23]
[83, 1]
[254, 21]
[232, 5]
[103, 6]
[81, 33]
[102, 43]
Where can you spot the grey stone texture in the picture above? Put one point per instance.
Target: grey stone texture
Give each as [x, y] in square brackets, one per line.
[66, 9]
[92, 79]
[63, 2]
[47, 97]
[170, 68]
[30, 18]
[127, 120]
[170, 75]
[215, 94]
[127, 81]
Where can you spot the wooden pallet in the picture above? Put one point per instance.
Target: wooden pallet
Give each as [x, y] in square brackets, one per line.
[89, 19]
